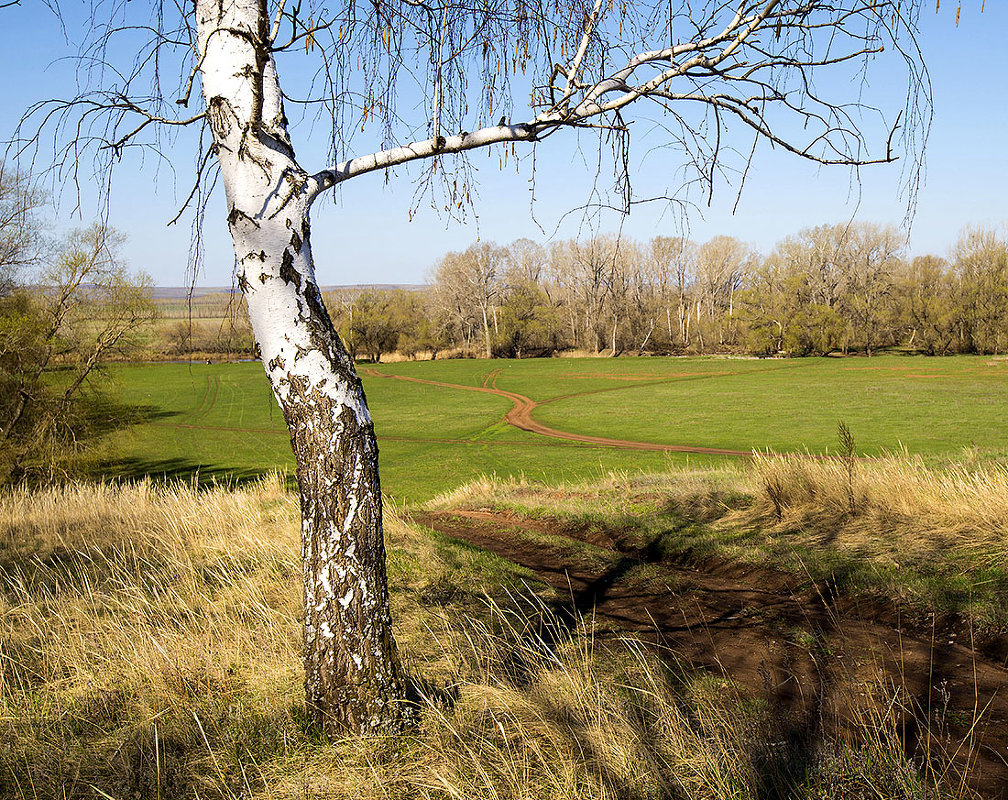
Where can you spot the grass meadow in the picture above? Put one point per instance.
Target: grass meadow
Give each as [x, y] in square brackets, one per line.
[150, 649]
[220, 420]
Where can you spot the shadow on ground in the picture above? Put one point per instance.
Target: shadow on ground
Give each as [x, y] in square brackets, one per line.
[822, 658]
[169, 470]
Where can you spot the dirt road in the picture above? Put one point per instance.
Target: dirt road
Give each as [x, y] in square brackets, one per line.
[807, 650]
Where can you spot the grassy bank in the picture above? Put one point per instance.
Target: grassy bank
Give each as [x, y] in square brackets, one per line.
[933, 538]
[149, 649]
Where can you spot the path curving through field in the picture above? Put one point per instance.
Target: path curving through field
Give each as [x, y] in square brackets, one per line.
[520, 416]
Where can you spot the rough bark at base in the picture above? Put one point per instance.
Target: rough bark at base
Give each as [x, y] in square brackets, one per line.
[352, 672]
[350, 660]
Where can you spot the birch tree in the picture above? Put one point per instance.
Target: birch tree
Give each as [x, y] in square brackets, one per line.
[715, 77]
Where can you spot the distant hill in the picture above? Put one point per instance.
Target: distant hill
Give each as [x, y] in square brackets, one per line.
[182, 292]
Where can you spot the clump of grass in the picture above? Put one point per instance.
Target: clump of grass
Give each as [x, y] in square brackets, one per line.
[935, 536]
[150, 648]
[901, 505]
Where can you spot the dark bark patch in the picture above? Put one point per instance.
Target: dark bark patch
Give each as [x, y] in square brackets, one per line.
[236, 214]
[287, 271]
[316, 306]
[218, 112]
[276, 361]
[296, 242]
[243, 283]
[263, 277]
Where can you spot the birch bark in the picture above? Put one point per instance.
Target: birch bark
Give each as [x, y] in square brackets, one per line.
[352, 675]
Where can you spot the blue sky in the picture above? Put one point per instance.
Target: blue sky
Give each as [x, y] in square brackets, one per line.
[365, 235]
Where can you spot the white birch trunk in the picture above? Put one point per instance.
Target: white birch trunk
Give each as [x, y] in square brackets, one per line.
[352, 677]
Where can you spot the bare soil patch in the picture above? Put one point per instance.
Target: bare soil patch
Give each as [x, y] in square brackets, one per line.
[817, 655]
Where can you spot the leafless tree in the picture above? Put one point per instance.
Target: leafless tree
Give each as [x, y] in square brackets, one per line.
[20, 230]
[721, 265]
[672, 260]
[873, 256]
[81, 307]
[706, 71]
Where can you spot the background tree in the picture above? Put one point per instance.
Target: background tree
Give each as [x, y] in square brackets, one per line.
[374, 327]
[20, 228]
[722, 263]
[926, 307]
[416, 324]
[980, 264]
[528, 322]
[456, 297]
[81, 308]
[872, 255]
[672, 260]
[710, 68]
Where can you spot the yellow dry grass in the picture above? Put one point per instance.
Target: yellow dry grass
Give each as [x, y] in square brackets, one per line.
[888, 508]
[935, 537]
[150, 648]
[610, 495]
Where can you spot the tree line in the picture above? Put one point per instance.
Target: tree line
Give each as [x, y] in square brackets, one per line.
[844, 288]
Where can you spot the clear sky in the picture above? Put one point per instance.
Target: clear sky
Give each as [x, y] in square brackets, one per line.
[364, 235]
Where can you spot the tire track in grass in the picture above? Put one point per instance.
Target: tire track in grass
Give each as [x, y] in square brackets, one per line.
[213, 397]
[209, 395]
[384, 438]
[520, 416]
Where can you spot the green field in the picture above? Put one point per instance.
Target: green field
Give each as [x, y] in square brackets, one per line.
[220, 420]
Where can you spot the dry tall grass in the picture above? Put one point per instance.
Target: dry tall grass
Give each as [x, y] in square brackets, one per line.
[142, 628]
[149, 648]
[936, 536]
[611, 495]
[900, 506]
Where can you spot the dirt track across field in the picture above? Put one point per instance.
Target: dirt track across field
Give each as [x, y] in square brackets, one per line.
[812, 653]
[520, 416]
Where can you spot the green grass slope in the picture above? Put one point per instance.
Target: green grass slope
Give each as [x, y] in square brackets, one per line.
[221, 421]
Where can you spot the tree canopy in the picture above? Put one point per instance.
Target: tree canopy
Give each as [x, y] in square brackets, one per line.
[371, 86]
